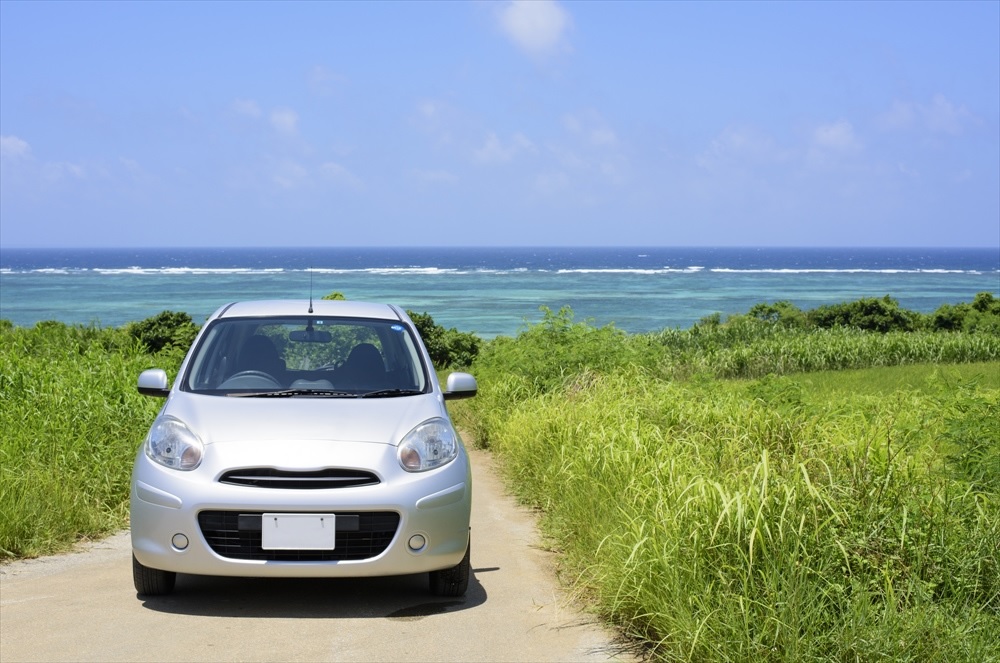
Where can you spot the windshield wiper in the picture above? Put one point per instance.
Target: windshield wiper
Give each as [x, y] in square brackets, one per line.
[289, 393]
[382, 393]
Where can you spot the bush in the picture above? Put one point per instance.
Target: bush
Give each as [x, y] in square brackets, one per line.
[981, 315]
[870, 314]
[166, 330]
[447, 347]
[783, 313]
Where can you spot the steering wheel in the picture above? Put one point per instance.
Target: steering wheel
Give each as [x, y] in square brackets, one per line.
[256, 374]
[260, 375]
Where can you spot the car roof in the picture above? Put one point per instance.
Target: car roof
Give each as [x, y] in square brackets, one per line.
[301, 307]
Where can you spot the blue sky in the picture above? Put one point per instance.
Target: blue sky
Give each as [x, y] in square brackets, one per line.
[498, 123]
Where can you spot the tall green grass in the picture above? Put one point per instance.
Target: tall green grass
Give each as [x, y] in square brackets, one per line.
[722, 521]
[750, 348]
[71, 420]
[781, 516]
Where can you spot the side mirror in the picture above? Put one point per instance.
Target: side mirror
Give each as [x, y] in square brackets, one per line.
[460, 385]
[153, 382]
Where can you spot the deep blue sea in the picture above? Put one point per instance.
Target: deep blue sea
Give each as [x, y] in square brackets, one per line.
[489, 291]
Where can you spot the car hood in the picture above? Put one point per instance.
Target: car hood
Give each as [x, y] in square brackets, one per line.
[377, 420]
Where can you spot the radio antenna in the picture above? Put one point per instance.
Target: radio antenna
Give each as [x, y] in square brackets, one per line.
[310, 289]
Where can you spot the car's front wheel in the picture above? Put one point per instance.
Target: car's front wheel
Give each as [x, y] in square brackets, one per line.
[453, 581]
[151, 582]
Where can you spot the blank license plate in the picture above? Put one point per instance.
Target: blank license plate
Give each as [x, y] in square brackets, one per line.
[298, 531]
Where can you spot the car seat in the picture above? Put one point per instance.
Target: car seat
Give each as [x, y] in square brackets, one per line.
[259, 354]
[364, 368]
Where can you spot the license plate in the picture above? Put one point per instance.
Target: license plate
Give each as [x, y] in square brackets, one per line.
[298, 531]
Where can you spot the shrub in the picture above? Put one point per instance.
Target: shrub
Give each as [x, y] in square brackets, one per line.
[783, 313]
[870, 314]
[447, 347]
[981, 315]
[166, 330]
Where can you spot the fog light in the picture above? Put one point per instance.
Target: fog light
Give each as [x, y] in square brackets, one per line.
[417, 542]
[179, 541]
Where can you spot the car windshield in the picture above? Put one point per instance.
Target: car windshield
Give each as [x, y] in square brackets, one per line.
[306, 357]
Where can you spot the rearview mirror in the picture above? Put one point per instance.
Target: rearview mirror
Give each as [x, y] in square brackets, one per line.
[310, 336]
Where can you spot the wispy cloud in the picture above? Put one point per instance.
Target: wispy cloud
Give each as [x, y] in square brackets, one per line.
[552, 183]
[592, 128]
[938, 116]
[336, 172]
[289, 174]
[494, 150]
[432, 176]
[246, 107]
[12, 147]
[838, 136]
[323, 81]
[285, 120]
[537, 27]
[741, 146]
[59, 170]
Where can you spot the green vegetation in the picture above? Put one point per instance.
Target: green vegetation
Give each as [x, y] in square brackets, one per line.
[720, 498]
[71, 420]
[167, 330]
[783, 485]
[447, 347]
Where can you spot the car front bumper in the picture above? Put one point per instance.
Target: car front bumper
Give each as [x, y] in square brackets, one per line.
[171, 511]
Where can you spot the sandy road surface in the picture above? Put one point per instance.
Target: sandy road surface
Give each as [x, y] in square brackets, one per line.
[82, 607]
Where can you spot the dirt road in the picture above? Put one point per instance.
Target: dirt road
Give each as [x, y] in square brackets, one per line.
[82, 607]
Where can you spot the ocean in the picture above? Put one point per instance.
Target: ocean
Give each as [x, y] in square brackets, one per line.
[489, 291]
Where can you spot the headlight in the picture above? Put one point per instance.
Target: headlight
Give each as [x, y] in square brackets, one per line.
[172, 444]
[429, 445]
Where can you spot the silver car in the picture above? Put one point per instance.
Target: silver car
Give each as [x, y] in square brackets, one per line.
[303, 439]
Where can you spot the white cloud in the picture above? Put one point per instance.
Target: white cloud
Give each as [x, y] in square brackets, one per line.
[591, 127]
[496, 151]
[337, 173]
[838, 137]
[429, 109]
[900, 116]
[552, 183]
[438, 120]
[741, 146]
[939, 116]
[831, 144]
[285, 120]
[537, 27]
[943, 116]
[58, 170]
[324, 82]
[906, 170]
[432, 176]
[247, 107]
[289, 174]
[12, 147]
[130, 165]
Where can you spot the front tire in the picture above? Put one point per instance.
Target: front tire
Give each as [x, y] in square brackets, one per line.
[453, 581]
[151, 582]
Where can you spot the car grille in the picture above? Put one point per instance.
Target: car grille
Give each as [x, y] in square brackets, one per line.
[237, 535]
[266, 477]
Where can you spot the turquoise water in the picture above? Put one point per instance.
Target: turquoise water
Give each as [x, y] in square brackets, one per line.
[487, 291]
